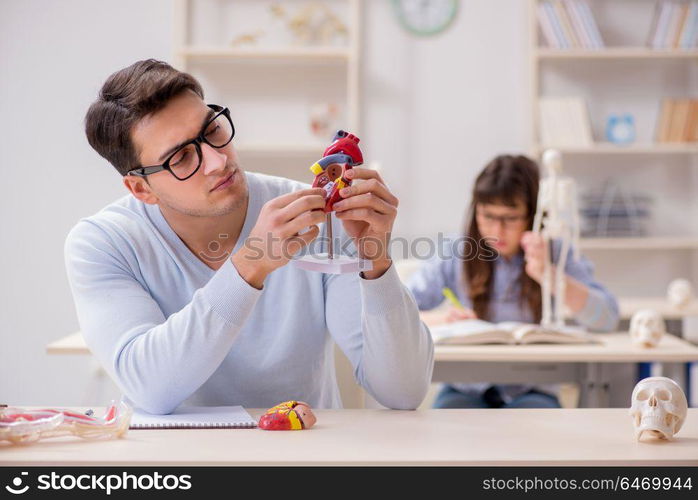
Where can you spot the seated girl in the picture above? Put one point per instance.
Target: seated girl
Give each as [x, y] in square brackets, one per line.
[498, 278]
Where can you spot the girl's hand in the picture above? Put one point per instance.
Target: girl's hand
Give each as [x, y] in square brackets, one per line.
[535, 254]
[459, 314]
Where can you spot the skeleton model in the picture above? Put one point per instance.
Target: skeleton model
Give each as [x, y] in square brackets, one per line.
[19, 426]
[556, 217]
[314, 23]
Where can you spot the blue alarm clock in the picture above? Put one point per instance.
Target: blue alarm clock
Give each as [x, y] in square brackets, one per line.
[620, 128]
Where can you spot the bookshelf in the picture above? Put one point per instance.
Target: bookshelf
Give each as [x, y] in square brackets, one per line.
[606, 148]
[640, 243]
[627, 74]
[272, 119]
[615, 53]
[328, 54]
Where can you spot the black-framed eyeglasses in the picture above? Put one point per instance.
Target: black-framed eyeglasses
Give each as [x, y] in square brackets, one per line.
[508, 221]
[186, 160]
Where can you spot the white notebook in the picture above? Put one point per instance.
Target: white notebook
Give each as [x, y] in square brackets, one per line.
[195, 417]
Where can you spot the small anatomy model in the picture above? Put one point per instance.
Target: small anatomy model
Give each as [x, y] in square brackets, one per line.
[556, 217]
[330, 174]
[647, 328]
[680, 293]
[25, 426]
[329, 171]
[288, 416]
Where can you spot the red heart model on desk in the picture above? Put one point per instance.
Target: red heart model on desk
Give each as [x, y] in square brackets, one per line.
[288, 416]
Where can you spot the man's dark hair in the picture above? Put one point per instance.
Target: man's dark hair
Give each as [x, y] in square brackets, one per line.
[126, 97]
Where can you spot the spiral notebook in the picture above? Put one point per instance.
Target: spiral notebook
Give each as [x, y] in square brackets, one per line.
[195, 417]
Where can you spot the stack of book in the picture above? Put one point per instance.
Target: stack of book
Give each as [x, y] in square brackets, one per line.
[678, 121]
[568, 24]
[675, 25]
[564, 122]
[612, 211]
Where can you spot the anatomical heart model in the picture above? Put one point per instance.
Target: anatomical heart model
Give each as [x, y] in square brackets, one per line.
[288, 416]
[330, 174]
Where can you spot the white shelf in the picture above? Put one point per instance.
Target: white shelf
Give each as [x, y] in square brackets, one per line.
[189, 53]
[641, 243]
[629, 305]
[630, 149]
[326, 54]
[616, 53]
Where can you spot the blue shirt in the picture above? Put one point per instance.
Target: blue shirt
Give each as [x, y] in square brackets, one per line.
[169, 329]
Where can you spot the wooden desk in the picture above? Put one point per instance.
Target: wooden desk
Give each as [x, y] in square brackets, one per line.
[536, 363]
[386, 437]
[610, 348]
[71, 344]
[630, 305]
[553, 363]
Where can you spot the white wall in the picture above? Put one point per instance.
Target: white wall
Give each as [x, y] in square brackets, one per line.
[54, 56]
[436, 110]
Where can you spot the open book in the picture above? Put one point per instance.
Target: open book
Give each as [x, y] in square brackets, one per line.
[476, 331]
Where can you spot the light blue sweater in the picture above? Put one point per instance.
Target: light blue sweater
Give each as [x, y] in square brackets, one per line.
[167, 328]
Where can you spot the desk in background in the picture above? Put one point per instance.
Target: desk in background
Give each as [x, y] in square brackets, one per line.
[553, 363]
[535, 363]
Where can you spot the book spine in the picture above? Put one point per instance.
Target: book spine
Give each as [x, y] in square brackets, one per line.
[662, 23]
[681, 24]
[585, 123]
[591, 24]
[566, 24]
[578, 24]
[662, 129]
[199, 425]
[545, 124]
[694, 37]
[691, 34]
[672, 26]
[678, 122]
[691, 131]
[554, 21]
[653, 24]
[547, 28]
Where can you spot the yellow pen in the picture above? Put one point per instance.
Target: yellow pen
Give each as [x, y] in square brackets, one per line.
[448, 293]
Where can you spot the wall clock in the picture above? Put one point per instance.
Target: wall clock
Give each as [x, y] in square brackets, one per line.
[426, 17]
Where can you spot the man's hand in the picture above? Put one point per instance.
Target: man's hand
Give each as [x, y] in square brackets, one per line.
[368, 212]
[275, 237]
[535, 254]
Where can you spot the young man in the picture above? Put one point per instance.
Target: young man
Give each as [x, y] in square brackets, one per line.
[183, 290]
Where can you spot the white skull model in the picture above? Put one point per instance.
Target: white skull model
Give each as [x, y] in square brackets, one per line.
[647, 327]
[659, 407]
[679, 293]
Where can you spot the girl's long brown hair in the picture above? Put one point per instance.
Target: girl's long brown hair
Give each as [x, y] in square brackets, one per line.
[506, 180]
